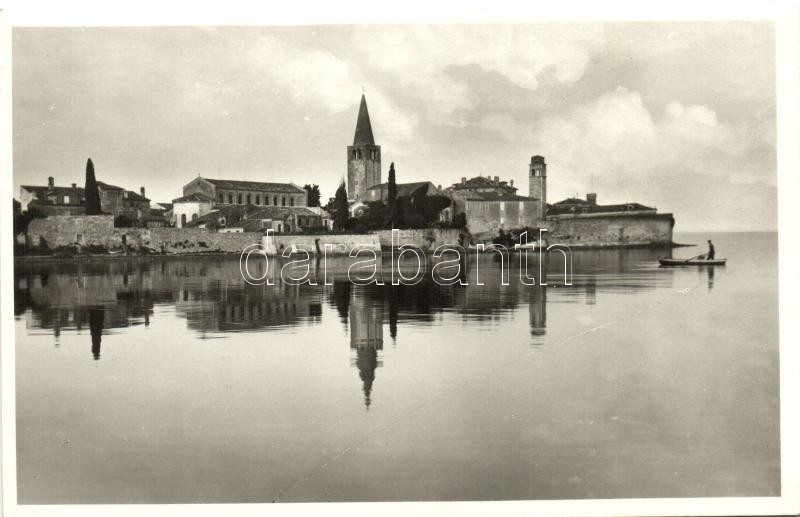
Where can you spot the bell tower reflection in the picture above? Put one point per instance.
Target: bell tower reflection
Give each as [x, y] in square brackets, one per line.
[366, 338]
[96, 320]
[537, 306]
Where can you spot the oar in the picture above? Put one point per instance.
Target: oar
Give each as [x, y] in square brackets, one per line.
[692, 258]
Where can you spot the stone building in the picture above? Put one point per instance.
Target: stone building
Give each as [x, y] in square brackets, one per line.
[53, 200]
[363, 157]
[491, 205]
[491, 212]
[585, 223]
[258, 193]
[116, 201]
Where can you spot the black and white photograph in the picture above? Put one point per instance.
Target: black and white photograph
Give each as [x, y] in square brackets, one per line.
[523, 261]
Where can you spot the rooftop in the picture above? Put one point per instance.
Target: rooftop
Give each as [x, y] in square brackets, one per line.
[76, 195]
[482, 182]
[193, 198]
[403, 189]
[573, 205]
[494, 196]
[135, 196]
[363, 135]
[256, 185]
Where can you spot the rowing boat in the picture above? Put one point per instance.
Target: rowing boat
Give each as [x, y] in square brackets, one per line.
[691, 262]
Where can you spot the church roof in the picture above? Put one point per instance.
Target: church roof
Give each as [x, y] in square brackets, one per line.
[363, 134]
[404, 189]
[194, 197]
[255, 185]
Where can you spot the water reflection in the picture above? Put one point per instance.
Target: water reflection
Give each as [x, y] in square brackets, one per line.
[215, 302]
[96, 319]
[211, 296]
[515, 378]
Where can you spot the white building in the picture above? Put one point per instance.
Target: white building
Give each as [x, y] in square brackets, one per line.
[190, 208]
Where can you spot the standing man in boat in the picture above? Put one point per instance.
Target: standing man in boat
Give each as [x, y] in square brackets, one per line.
[710, 255]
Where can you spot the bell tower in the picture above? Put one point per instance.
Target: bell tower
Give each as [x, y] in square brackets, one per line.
[537, 184]
[363, 157]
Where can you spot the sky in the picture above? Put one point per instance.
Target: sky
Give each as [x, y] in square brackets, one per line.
[680, 116]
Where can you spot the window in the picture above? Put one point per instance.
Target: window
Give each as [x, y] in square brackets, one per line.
[354, 154]
[66, 200]
[230, 199]
[291, 201]
[183, 220]
[258, 200]
[239, 198]
[249, 199]
[283, 199]
[194, 217]
[222, 198]
[275, 200]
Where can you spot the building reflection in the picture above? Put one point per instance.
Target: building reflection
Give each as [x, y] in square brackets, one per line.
[366, 340]
[96, 321]
[213, 299]
[537, 310]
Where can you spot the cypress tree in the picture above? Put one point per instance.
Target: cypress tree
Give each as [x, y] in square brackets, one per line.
[392, 196]
[313, 194]
[91, 192]
[341, 207]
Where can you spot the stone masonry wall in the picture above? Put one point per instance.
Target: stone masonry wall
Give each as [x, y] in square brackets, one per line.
[98, 231]
[611, 231]
[427, 239]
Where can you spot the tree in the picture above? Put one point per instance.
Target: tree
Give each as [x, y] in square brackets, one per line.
[91, 192]
[313, 194]
[392, 196]
[341, 208]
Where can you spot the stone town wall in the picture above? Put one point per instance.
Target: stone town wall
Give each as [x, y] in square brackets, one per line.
[98, 231]
[64, 230]
[489, 217]
[629, 230]
[427, 239]
[584, 230]
[317, 243]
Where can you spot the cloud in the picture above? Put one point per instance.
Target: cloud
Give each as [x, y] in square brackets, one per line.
[418, 59]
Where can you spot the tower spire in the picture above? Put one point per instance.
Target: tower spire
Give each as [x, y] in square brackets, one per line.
[363, 134]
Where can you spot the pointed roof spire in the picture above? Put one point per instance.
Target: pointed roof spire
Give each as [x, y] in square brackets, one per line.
[363, 134]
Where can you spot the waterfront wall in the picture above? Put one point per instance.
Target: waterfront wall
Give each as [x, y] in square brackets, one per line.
[427, 239]
[599, 231]
[317, 243]
[98, 231]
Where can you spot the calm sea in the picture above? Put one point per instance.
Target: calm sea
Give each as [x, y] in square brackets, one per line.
[174, 381]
